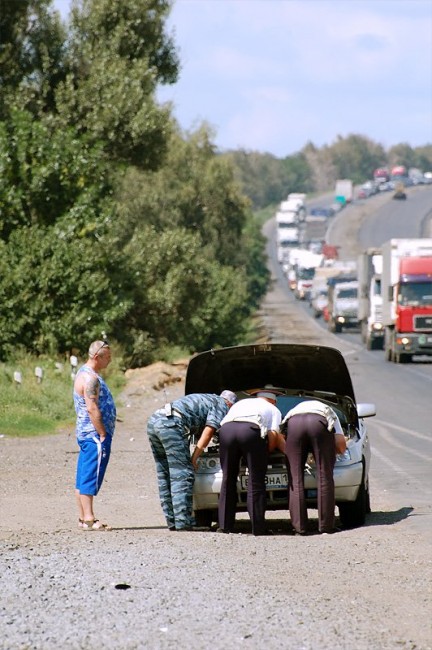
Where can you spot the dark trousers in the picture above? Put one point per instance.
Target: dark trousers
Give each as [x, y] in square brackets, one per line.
[241, 439]
[308, 433]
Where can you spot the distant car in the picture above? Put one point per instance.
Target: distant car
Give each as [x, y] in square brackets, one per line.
[315, 246]
[319, 302]
[337, 206]
[322, 212]
[299, 372]
[399, 192]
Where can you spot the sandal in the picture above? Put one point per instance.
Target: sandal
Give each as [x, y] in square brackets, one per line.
[95, 524]
[80, 523]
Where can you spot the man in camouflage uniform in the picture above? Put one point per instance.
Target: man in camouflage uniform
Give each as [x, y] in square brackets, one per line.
[168, 430]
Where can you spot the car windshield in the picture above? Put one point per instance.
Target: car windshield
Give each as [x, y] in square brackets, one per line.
[377, 287]
[305, 274]
[347, 293]
[416, 294]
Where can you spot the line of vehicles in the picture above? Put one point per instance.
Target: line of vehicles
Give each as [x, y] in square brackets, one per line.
[396, 178]
[386, 293]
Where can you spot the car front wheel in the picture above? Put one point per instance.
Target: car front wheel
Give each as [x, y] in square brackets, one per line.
[353, 514]
[205, 517]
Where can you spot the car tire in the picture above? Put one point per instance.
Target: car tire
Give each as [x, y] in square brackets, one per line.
[353, 514]
[205, 517]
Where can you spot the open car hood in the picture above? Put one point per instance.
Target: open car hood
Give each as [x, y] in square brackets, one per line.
[286, 366]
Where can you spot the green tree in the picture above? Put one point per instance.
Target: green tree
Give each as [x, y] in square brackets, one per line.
[424, 158]
[63, 286]
[356, 157]
[402, 154]
[32, 51]
[322, 168]
[195, 189]
[118, 54]
[46, 172]
[181, 296]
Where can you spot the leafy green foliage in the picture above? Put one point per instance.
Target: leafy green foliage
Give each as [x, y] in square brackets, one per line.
[62, 288]
[32, 55]
[46, 172]
[356, 157]
[118, 53]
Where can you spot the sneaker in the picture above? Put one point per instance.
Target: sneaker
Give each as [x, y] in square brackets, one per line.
[194, 529]
[222, 530]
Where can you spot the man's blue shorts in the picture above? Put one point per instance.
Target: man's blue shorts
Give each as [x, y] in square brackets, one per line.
[92, 463]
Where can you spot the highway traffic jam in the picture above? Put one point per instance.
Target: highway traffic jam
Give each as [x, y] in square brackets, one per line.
[386, 293]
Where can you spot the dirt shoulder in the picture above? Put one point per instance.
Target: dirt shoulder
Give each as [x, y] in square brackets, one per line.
[37, 475]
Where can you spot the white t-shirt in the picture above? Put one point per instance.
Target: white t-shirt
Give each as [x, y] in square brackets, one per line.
[255, 409]
[315, 406]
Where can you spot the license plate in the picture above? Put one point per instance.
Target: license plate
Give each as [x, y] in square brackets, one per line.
[273, 481]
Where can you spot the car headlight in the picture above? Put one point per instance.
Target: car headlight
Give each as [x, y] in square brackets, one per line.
[345, 456]
[340, 319]
[209, 463]
[377, 326]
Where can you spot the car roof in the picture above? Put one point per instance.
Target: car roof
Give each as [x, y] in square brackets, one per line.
[284, 365]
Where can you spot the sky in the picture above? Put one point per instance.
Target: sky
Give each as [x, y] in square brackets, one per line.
[272, 75]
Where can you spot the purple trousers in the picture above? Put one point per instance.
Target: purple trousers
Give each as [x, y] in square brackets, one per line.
[307, 432]
[237, 440]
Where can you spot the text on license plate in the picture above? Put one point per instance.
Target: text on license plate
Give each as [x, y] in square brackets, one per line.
[273, 481]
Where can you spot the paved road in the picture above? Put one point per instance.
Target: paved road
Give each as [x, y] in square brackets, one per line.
[401, 434]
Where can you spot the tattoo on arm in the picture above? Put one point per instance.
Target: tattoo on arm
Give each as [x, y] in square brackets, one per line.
[92, 389]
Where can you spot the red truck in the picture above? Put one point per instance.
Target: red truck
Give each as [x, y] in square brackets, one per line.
[381, 175]
[398, 172]
[407, 298]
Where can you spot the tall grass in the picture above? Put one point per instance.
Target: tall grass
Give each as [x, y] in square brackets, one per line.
[33, 408]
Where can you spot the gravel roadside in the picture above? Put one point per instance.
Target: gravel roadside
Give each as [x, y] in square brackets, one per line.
[367, 589]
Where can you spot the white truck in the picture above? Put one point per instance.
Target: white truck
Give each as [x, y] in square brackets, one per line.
[344, 191]
[287, 235]
[318, 297]
[407, 298]
[300, 200]
[293, 210]
[369, 268]
[305, 266]
[343, 304]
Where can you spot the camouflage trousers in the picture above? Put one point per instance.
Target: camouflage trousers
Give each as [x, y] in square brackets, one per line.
[175, 472]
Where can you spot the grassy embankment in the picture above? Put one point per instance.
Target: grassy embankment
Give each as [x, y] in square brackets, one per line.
[33, 408]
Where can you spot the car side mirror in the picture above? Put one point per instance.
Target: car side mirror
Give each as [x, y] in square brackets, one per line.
[366, 410]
